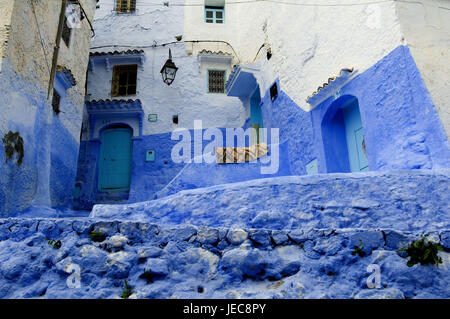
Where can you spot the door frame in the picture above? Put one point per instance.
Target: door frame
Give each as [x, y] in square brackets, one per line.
[100, 150]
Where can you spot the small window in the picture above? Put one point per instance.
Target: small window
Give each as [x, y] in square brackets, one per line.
[273, 92]
[56, 101]
[123, 6]
[214, 14]
[216, 81]
[175, 119]
[124, 80]
[66, 33]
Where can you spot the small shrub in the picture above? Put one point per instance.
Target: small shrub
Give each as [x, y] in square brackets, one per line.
[97, 236]
[127, 291]
[358, 250]
[423, 251]
[56, 244]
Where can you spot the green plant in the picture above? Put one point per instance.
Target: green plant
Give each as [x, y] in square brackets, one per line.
[423, 251]
[147, 275]
[97, 236]
[54, 243]
[358, 250]
[13, 143]
[127, 291]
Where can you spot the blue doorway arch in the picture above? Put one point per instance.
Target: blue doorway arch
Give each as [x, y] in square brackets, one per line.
[343, 137]
[115, 159]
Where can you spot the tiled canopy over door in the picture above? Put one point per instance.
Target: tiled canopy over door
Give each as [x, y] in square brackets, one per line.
[355, 138]
[115, 160]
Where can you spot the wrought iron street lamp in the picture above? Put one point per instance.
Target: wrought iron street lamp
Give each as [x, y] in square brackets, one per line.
[169, 70]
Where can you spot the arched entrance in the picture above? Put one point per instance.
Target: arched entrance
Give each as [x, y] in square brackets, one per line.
[115, 159]
[343, 137]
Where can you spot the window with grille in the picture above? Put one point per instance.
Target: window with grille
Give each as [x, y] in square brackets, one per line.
[66, 33]
[216, 81]
[124, 80]
[214, 14]
[125, 5]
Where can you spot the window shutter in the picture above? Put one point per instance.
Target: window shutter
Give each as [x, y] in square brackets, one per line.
[115, 82]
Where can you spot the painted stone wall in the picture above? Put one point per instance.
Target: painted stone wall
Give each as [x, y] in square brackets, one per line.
[403, 129]
[51, 143]
[164, 176]
[203, 262]
[405, 200]
[401, 126]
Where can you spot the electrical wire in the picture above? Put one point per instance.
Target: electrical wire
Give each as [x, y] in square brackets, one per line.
[143, 3]
[87, 18]
[163, 3]
[259, 50]
[164, 44]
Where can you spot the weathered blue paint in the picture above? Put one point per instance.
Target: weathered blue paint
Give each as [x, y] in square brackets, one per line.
[417, 201]
[295, 129]
[216, 262]
[401, 126]
[47, 174]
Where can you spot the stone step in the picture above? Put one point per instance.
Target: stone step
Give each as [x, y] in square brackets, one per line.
[405, 200]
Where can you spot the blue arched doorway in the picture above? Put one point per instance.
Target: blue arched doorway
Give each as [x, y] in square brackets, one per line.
[115, 159]
[343, 137]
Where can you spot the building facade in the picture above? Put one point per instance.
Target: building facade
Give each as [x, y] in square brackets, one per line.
[42, 100]
[349, 86]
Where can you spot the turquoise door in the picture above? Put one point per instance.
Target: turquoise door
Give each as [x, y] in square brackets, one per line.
[115, 160]
[256, 117]
[355, 138]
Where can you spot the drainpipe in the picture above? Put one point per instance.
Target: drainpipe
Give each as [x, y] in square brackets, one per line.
[56, 48]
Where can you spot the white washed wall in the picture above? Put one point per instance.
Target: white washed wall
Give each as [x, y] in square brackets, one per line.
[426, 27]
[309, 43]
[187, 97]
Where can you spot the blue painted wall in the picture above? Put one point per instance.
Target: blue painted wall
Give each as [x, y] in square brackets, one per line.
[47, 174]
[402, 131]
[295, 129]
[402, 127]
[216, 262]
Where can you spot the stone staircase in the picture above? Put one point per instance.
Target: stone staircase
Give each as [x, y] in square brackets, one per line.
[322, 236]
